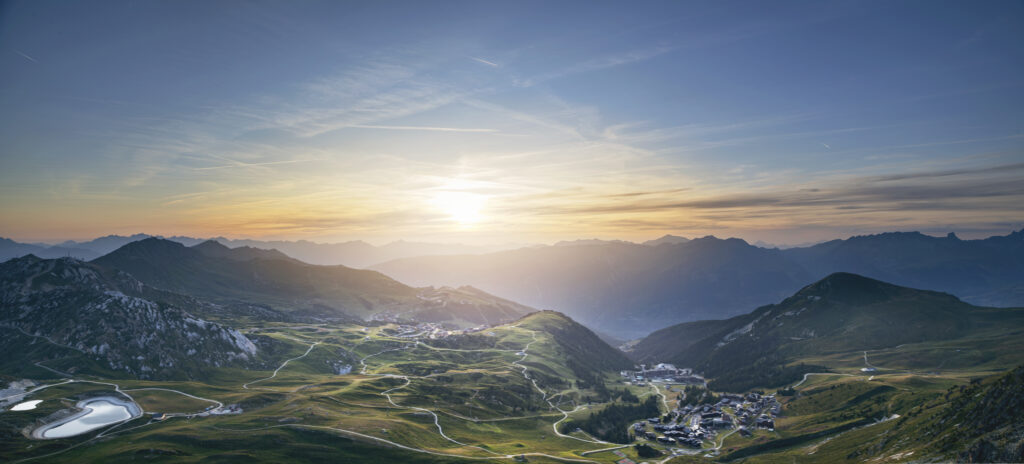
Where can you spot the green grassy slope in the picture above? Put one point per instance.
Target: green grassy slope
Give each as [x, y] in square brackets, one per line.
[496, 393]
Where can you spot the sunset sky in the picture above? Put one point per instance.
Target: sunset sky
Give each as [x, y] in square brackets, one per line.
[494, 122]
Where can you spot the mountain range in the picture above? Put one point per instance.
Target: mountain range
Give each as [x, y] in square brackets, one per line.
[254, 276]
[839, 314]
[353, 253]
[629, 289]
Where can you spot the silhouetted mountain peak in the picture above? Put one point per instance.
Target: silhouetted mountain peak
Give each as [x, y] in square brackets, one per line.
[29, 258]
[854, 289]
[212, 248]
[587, 242]
[845, 285]
[667, 239]
[151, 244]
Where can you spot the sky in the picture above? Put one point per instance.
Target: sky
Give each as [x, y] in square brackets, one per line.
[494, 122]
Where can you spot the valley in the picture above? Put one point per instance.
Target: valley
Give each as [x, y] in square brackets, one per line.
[177, 368]
[499, 393]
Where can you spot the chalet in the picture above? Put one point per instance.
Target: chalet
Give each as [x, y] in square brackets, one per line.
[688, 379]
[733, 397]
[691, 442]
[666, 440]
[764, 422]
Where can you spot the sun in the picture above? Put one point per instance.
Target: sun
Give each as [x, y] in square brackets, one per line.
[463, 207]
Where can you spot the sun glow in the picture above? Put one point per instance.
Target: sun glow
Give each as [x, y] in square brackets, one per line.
[462, 207]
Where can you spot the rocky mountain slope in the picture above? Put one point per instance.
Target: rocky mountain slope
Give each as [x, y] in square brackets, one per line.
[78, 308]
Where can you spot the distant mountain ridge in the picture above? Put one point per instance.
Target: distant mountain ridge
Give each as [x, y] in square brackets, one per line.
[11, 249]
[215, 272]
[353, 253]
[629, 289]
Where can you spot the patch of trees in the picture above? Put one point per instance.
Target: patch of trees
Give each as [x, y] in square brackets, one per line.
[763, 373]
[697, 395]
[612, 423]
[604, 395]
[646, 451]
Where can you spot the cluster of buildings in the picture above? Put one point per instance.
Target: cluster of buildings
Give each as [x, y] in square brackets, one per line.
[671, 434]
[692, 424]
[758, 411]
[662, 372]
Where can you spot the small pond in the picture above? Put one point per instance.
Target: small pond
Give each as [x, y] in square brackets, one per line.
[96, 413]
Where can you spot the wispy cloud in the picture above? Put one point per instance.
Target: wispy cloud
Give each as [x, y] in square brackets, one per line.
[596, 64]
[239, 164]
[421, 128]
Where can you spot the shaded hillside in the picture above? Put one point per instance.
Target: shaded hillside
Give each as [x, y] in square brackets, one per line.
[577, 343]
[843, 312]
[629, 290]
[670, 342]
[977, 423]
[65, 307]
[990, 415]
[267, 277]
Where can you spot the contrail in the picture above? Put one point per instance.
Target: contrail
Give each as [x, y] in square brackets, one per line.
[26, 56]
[488, 63]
